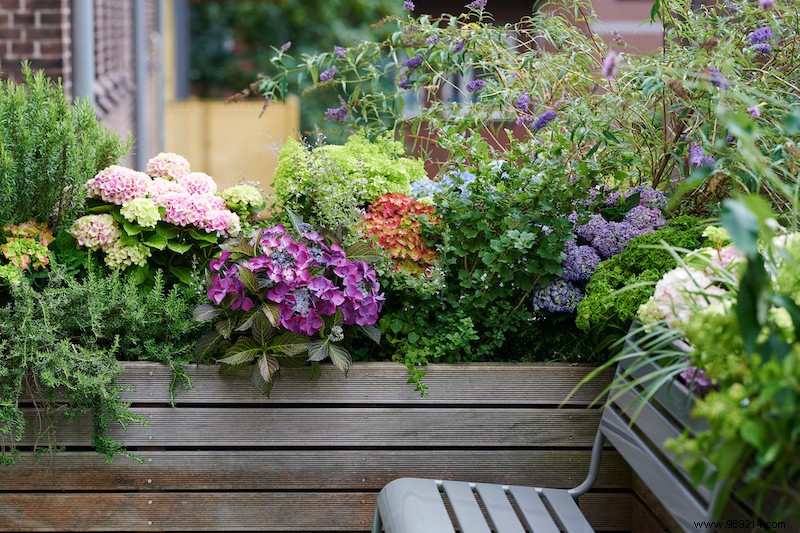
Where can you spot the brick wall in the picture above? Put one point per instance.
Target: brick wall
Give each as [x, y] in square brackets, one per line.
[40, 32]
[37, 31]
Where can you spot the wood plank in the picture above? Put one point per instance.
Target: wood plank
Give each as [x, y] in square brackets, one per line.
[310, 427]
[176, 511]
[376, 383]
[607, 511]
[643, 521]
[304, 469]
[241, 511]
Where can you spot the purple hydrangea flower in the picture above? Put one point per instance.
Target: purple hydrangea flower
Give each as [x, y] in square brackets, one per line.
[433, 39]
[613, 238]
[413, 62]
[760, 35]
[327, 75]
[475, 85]
[477, 5]
[648, 196]
[588, 231]
[459, 46]
[560, 296]
[580, 262]
[543, 120]
[339, 51]
[762, 48]
[409, 5]
[645, 219]
[697, 380]
[718, 80]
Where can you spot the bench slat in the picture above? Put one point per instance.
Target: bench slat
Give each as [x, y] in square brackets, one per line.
[465, 507]
[499, 509]
[535, 514]
[567, 511]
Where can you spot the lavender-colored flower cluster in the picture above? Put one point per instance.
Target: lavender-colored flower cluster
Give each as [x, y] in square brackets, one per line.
[461, 179]
[697, 380]
[306, 278]
[475, 85]
[328, 74]
[597, 239]
[698, 157]
[543, 120]
[580, 263]
[338, 114]
[560, 296]
[425, 188]
[718, 80]
[413, 62]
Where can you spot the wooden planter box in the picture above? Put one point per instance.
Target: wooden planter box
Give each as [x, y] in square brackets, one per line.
[313, 456]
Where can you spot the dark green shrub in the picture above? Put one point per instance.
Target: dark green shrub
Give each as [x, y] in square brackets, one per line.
[48, 149]
[605, 311]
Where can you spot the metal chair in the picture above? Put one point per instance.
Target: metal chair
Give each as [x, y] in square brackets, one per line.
[415, 505]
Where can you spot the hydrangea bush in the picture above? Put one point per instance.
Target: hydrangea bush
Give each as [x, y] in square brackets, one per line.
[168, 217]
[278, 297]
[330, 185]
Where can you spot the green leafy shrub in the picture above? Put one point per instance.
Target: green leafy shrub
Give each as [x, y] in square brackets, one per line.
[329, 185]
[606, 310]
[48, 150]
[61, 346]
[496, 236]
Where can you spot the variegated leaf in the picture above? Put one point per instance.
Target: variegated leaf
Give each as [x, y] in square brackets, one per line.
[288, 344]
[205, 312]
[318, 350]
[341, 358]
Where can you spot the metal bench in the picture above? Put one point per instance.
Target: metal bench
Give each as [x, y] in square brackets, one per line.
[415, 505]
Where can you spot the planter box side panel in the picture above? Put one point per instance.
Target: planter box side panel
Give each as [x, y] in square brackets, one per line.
[314, 455]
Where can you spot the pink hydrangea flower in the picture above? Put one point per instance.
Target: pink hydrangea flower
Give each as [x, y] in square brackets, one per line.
[168, 166]
[118, 185]
[198, 183]
[96, 232]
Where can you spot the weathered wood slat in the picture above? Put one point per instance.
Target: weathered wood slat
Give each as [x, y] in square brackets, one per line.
[267, 511]
[304, 469]
[375, 383]
[310, 427]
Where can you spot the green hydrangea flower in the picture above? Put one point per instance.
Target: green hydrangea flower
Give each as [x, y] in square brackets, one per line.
[122, 256]
[10, 275]
[243, 196]
[141, 211]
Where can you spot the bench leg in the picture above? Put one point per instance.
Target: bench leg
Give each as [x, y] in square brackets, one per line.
[377, 523]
